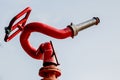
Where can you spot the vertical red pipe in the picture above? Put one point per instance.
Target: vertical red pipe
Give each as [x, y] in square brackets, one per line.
[49, 71]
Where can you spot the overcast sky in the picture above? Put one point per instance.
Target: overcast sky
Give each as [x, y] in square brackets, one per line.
[94, 54]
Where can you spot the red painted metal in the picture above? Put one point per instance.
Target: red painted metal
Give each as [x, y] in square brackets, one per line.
[20, 24]
[69, 31]
[42, 28]
[45, 52]
[49, 72]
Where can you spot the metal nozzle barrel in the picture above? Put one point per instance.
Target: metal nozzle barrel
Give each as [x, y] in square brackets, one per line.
[84, 25]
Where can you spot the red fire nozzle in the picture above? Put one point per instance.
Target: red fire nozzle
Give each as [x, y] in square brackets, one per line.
[69, 31]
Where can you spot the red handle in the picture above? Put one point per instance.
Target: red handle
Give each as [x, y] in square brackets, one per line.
[20, 24]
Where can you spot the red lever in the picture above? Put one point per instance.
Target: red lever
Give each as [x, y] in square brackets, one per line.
[20, 24]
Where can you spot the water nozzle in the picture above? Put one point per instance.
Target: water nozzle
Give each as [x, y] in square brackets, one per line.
[84, 25]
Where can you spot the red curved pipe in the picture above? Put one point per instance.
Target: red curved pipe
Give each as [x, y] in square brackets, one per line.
[42, 28]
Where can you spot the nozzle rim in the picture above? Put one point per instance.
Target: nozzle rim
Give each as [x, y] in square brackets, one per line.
[97, 20]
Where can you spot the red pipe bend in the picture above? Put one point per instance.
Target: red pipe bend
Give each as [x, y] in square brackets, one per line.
[44, 29]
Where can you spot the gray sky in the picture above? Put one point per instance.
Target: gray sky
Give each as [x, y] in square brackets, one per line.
[93, 54]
